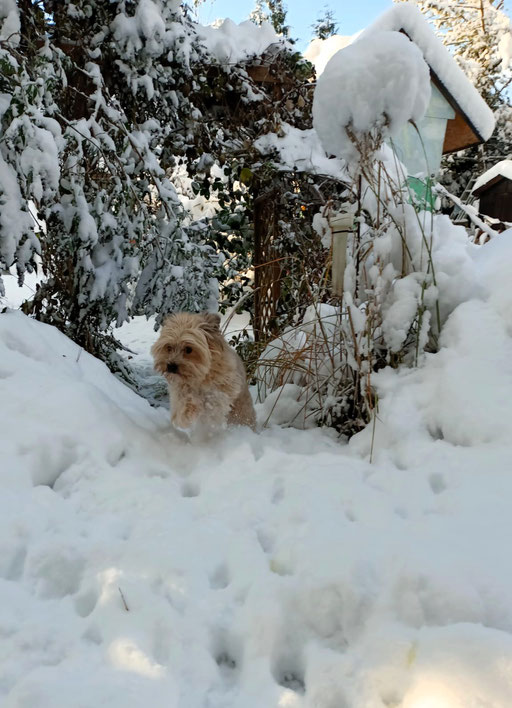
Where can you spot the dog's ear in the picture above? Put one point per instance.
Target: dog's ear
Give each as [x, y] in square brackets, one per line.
[210, 322]
[159, 352]
[168, 318]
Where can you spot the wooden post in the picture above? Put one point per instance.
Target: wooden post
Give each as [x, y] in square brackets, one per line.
[341, 225]
[267, 269]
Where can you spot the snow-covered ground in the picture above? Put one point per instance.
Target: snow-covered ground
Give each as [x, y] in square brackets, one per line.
[259, 571]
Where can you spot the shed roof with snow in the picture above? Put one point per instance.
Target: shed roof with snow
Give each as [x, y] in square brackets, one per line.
[502, 170]
[494, 189]
[473, 122]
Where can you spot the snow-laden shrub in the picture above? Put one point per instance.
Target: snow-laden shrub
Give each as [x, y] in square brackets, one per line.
[406, 268]
[406, 271]
[92, 107]
[368, 91]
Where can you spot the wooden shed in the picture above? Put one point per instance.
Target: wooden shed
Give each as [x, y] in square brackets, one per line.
[494, 190]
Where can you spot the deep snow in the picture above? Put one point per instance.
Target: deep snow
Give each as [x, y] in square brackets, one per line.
[280, 569]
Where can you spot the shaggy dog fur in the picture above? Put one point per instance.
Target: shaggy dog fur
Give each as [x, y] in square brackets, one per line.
[206, 378]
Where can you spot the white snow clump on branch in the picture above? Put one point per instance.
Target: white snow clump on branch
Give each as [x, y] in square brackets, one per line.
[376, 84]
[230, 43]
[408, 19]
[320, 51]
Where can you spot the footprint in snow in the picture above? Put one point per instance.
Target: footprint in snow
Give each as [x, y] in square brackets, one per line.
[190, 489]
[293, 682]
[278, 491]
[220, 578]
[288, 670]
[227, 653]
[437, 483]
[266, 539]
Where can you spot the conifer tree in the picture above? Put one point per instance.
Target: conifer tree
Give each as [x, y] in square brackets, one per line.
[277, 16]
[326, 24]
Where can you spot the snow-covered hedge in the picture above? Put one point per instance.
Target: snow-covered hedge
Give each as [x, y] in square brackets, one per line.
[91, 100]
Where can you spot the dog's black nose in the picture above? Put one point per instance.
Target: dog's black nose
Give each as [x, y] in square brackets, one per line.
[172, 368]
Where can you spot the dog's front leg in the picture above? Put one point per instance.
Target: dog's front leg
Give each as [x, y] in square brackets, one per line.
[185, 412]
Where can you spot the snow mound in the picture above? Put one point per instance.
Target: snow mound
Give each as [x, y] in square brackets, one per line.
[255, 571]
[460, 396]
[378, 83]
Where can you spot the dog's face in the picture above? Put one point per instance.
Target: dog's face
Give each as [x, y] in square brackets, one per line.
[184, 348]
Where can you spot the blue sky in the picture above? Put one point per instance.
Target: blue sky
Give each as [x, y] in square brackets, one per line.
[351, 16]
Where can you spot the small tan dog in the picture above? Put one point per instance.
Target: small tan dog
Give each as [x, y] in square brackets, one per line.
[206, 378]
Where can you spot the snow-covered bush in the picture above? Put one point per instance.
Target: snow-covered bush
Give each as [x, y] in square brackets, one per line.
[367, 92]
[406, 271]
[257, 85]
[406, 267]
[92, 112]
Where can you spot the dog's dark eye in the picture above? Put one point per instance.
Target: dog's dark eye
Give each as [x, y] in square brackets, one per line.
[188, 350]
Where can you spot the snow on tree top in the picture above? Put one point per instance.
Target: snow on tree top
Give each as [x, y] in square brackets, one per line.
[501, 169]
[409, 19]
[232, 43]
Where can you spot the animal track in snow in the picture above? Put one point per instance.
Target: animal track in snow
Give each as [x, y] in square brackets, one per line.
[292, 681]
[86, 602]
[227, 652]
[190, 489]
[56, 573]
[288, 672]
[437, 483]
[266, 539]
[93, 634]
[50, 462]
[225, 662]
[220, 578]
[278, 491]
[12, 563]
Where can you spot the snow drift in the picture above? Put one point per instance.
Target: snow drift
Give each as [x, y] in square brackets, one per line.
[279, 569]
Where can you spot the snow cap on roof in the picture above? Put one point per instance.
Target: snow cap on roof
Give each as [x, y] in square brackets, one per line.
[408, 18]
[501, 169]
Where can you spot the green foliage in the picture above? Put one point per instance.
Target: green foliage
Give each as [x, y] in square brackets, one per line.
[97, 112]
[325, 25]
[275, 13]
